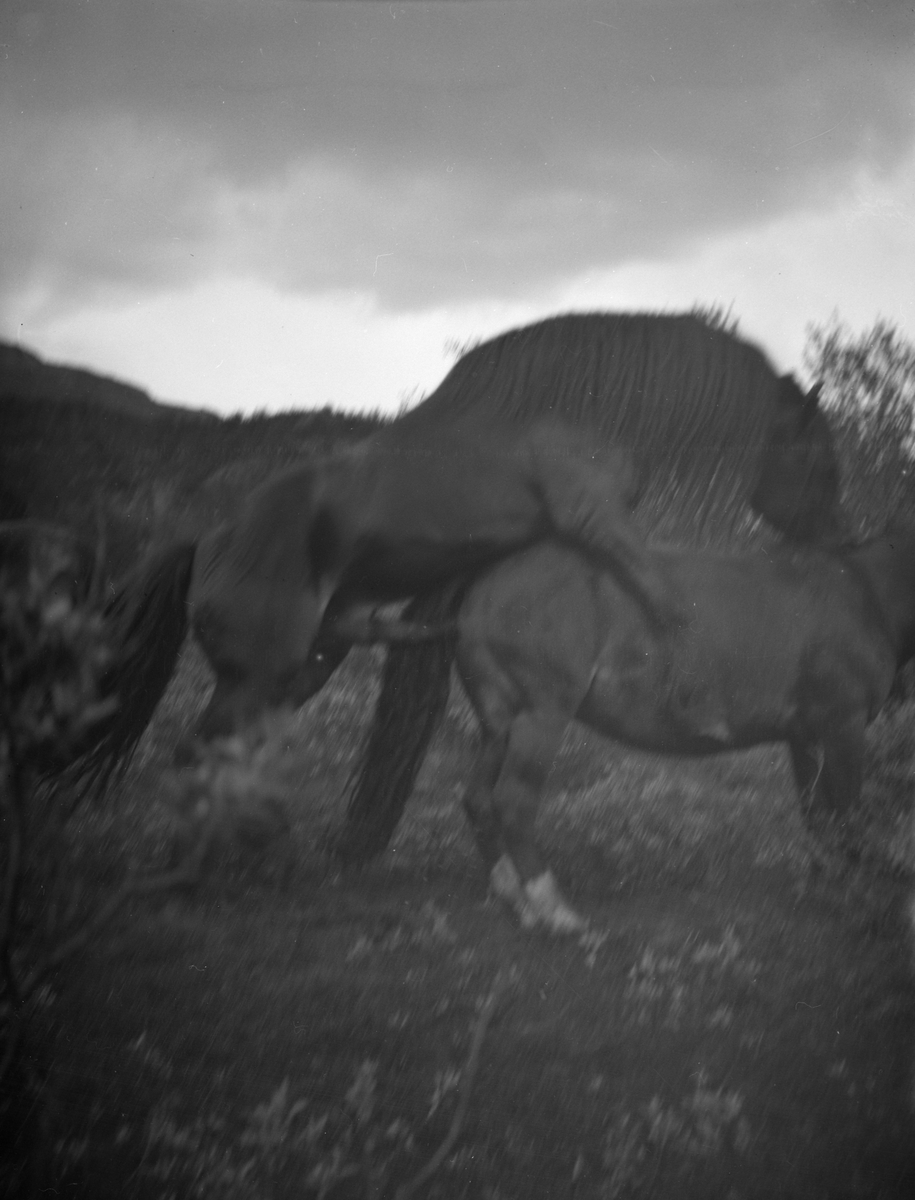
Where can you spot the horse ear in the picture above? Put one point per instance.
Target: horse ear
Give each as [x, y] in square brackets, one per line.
[805, 404]
[789, 393]
[812, 402]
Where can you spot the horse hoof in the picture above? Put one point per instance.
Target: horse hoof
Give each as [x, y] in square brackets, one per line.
[507, 886]
[550, 907]
[538, 904]
[505, 882]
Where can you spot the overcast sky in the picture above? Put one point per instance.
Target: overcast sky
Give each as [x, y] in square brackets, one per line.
[262, 204]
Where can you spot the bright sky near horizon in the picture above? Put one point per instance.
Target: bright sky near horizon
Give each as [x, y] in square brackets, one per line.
[266, 204]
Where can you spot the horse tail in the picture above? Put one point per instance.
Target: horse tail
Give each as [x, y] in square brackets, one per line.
[411, 704]
[148, 621]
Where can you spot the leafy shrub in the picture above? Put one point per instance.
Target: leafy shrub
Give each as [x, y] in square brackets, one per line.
[869, 392]
[54, 651]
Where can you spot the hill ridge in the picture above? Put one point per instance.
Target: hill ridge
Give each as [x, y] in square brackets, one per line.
[24, 375]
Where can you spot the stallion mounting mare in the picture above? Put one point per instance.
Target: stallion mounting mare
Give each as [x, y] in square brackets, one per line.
[794, 646]
[531, 435]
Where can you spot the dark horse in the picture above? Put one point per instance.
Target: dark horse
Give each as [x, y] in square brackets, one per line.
[472, 474]
[382, 521]
[715, 434]
[796, 646]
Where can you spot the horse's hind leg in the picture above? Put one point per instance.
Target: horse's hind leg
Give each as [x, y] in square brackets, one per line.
[502, 797]
[532, 745]
[478, 796]
[480, 810]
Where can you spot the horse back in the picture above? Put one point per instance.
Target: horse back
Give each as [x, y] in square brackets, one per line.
[695, 405]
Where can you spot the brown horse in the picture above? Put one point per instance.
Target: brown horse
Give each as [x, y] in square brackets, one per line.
[431, 499]
[798, 647]
[379, 522]
[708, 422]
[385, 521]
[715, 433]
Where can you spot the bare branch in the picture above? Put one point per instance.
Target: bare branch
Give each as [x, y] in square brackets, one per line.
[468, 1075]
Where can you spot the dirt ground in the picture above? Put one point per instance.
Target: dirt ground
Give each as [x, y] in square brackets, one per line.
[724, 1030]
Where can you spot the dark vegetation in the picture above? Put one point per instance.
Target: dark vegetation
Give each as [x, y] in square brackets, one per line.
[95, 452]
[869, 384]
[727, 1027]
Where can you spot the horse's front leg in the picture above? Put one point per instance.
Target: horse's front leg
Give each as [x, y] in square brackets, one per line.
[521, 875]
[829, 773]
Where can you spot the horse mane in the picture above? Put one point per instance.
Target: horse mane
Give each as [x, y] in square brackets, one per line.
[691, 402]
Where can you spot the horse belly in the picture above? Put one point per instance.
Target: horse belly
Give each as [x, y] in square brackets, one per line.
[625, 700]
[421, 531]
[390, 570]
[648, 688]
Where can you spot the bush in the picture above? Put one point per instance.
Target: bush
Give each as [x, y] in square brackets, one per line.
[54, 650]
[869, 391]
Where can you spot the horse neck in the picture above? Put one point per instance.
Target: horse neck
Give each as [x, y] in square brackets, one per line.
[888, 566]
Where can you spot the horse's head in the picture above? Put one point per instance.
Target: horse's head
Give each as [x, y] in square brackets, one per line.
[798, 487]
[256, 609]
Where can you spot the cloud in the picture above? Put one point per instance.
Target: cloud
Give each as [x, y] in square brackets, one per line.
[782, 276]
[234, 342]
[425, 153]
[100, 202]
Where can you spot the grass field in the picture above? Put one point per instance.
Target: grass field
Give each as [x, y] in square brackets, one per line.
[723, 1030]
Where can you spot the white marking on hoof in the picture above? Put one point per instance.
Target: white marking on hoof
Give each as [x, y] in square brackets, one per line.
[507, 886]
[550, 908]
[506, 882]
